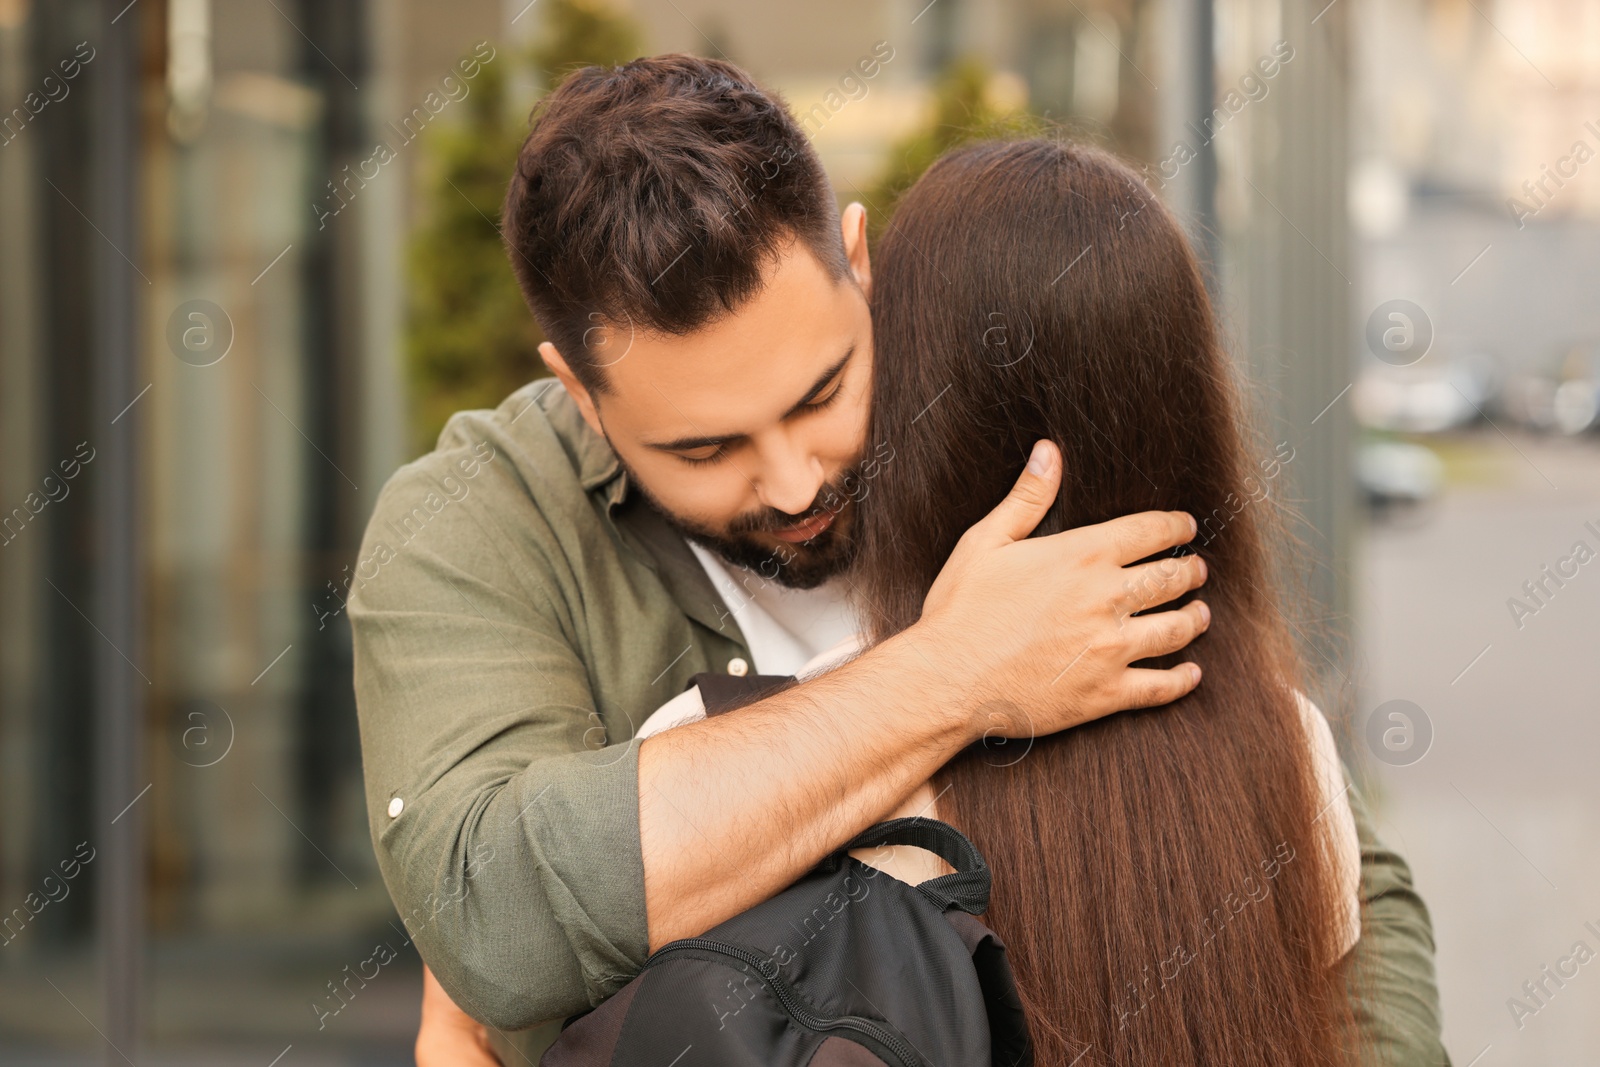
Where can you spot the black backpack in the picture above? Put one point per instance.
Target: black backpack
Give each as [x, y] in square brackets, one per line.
[848, 967]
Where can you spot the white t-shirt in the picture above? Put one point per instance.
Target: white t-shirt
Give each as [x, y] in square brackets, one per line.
[804, 632]
[783, 627]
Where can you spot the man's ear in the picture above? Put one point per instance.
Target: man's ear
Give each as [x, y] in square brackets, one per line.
[558, 366]
[853, 224]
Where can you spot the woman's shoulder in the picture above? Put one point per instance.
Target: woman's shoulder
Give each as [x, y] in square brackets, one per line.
[1319, 735]
[1334, 817]
[687, 706]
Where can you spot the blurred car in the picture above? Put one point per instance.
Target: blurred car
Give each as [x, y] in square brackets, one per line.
[1577, 403]
[1529, 401]
[1566, 401]
[1398, 473]
[1435, 395]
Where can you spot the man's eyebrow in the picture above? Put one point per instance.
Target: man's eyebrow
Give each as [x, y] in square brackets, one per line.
[686, 444]
[822, 382]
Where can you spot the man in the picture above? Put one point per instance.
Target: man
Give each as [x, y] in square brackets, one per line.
[550, 574]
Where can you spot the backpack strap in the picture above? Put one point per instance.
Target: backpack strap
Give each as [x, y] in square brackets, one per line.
[966, 889]
[725, 692]
[1009, 1036]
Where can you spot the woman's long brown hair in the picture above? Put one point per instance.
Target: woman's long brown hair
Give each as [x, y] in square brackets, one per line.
[1158, 880]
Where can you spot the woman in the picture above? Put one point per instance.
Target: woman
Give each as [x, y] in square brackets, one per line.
[1175, 886]
[1172, 885]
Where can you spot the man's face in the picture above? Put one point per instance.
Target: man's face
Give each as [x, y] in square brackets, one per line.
[745, 434]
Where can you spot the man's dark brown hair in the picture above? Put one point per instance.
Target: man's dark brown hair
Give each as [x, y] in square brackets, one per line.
[651, 197]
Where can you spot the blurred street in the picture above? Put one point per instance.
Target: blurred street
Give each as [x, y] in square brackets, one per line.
[1500, 819]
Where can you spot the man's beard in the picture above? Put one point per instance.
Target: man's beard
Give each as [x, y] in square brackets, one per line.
[803, 565]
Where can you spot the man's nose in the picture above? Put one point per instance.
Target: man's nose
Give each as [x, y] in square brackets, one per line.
[791, 476]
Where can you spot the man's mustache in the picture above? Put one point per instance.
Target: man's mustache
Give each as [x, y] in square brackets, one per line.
[831, 497]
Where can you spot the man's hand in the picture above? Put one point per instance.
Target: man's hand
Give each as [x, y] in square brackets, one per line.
[1044, 628]
[1017, 636]
[448, 1036]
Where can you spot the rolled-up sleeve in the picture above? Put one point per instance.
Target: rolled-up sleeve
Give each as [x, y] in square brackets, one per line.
[1393, 987]
[505, 828]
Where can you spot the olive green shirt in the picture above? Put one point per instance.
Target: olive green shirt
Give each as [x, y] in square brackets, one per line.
[516, 614]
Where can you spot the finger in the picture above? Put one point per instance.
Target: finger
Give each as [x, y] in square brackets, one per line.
[1152, 584]
[1143, 688]
[1015, 517]
[1133, 537]
[1166, 632]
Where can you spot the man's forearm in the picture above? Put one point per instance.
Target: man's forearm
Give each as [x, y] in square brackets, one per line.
[735, 808]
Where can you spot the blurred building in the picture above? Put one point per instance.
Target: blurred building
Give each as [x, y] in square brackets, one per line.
[1477, 132]
[262, 403]
[1493, 100]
